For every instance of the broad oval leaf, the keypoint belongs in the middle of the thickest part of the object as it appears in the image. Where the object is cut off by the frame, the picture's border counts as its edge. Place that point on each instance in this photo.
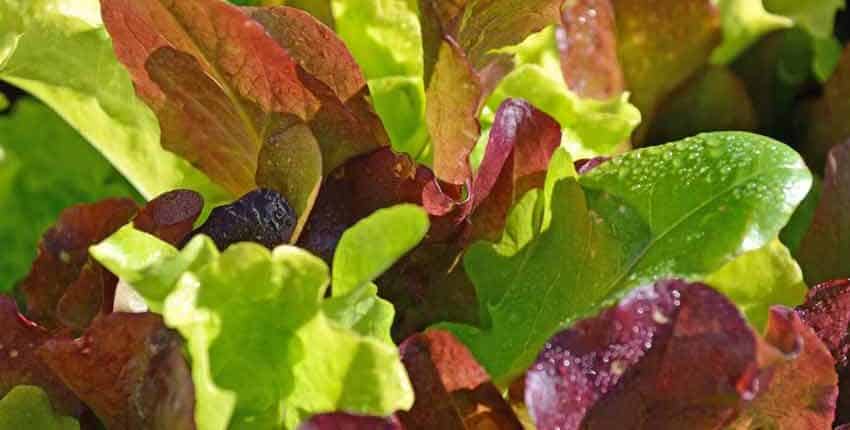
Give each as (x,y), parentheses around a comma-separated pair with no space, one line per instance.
(629,221)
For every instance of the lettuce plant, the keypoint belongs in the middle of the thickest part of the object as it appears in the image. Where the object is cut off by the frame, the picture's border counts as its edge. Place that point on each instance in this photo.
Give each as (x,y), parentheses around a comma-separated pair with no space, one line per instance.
(420,214)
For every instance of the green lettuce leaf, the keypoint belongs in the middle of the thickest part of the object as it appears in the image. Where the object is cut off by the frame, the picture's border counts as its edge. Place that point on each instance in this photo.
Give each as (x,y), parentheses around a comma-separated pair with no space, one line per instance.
(759,279)
(386,40)
(34,187)
(592,127)
(364,252)
(679,210)
(293,329)
(372,245)
(59,52)
(746,21)
(27,407)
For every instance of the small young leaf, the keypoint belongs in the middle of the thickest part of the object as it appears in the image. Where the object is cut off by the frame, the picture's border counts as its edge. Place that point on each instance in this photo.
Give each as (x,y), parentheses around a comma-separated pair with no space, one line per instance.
(371,246)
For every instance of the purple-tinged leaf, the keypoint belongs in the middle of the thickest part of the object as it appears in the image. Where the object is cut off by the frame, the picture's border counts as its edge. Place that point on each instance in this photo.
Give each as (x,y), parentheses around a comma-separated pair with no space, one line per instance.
(669,356)
(261,216)
(587,164)
(827,312)
(588,46)
(522,141)
(374,181)
(824,252)
(171,216)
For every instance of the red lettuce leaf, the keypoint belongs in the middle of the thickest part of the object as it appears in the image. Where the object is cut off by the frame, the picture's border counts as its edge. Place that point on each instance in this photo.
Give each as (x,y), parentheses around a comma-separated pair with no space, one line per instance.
(454,96)
(212,75)
(522,141)
(801,384)
(422,286)
(171,216)
(344,421)
(65,286)
(229,93)
(345,124)
(452,390)
(677,355)
(588,46)
(129,369)
(461,68)
(827,312)
(20,363)
(824,252)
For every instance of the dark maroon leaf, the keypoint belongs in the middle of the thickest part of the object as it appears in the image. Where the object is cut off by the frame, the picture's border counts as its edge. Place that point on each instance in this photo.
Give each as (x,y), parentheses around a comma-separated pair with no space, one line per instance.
(452,390)
(824,252)
(91,294)
(262,216)
(344,421)
(20,364)
(371,182)
(588,46)
(129,369)
(427,286)
(827,312)
(62,256)
(170,216)
(669,356)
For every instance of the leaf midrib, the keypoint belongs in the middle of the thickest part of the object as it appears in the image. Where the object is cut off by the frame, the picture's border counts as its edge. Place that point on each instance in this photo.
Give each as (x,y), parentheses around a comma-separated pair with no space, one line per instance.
(654,240)
(217,76)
